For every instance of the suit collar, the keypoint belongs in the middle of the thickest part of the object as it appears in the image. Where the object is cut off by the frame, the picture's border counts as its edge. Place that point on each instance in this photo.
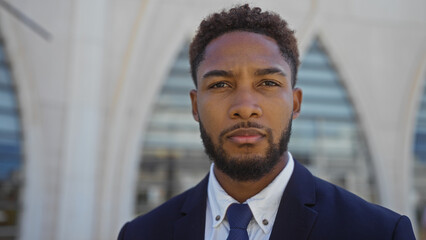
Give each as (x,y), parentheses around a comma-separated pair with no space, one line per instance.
(192,223)
(295,217)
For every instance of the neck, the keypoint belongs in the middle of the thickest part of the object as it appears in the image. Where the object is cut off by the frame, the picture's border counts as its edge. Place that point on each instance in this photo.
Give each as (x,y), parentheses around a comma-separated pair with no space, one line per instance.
(243,190)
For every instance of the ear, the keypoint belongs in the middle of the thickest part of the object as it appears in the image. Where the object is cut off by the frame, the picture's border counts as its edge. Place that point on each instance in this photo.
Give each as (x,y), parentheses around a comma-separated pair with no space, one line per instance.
(193,95)
(297,101)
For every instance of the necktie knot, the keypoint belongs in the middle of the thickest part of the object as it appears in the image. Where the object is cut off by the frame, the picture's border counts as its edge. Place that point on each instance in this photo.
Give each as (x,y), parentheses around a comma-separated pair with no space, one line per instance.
(239,216)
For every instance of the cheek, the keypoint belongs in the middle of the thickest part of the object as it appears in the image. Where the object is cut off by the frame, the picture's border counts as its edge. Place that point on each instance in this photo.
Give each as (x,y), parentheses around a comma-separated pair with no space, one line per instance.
(278,113)
(210,116)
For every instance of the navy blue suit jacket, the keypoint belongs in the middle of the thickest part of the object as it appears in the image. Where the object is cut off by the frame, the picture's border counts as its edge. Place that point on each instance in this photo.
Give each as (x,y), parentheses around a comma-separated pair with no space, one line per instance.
(310,208)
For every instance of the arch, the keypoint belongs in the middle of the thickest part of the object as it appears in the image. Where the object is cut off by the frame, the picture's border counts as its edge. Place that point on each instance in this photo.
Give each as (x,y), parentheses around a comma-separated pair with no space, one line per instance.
(383,92)
(329,125)
(173,157)
(345,67)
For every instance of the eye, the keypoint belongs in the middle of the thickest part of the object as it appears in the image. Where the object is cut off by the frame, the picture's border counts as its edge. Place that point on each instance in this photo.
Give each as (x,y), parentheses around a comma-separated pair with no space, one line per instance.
(269,83)
(219,85)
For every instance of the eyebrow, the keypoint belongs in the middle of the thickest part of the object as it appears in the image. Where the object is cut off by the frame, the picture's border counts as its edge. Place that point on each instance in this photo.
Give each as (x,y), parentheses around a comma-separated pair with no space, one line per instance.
(218,73)
(268,71)
(259,72)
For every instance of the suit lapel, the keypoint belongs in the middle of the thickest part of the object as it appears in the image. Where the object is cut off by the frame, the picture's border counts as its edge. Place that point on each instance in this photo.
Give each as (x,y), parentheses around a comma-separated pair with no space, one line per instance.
(295,217)
(192,223)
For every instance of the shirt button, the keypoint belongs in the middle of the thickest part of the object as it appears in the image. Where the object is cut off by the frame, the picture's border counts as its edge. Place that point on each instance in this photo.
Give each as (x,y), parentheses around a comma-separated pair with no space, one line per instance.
(265,222)
(217,218)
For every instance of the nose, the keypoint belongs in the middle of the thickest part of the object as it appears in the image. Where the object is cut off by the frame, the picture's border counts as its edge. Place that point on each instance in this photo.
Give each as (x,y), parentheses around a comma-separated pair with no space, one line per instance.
(245,105)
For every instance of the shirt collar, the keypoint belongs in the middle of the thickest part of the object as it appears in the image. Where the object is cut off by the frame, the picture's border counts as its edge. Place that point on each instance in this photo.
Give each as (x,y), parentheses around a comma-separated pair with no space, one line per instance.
(219,200)
(264,212)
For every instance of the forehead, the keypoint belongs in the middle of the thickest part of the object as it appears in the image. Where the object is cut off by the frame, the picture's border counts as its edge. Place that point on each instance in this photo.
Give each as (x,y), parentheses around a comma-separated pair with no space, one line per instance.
(236,49)
(241,39)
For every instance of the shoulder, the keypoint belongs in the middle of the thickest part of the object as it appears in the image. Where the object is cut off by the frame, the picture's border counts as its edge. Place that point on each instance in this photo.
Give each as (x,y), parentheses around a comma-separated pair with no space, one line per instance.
(355,216)
(329,195)
(148,225)
(160,222)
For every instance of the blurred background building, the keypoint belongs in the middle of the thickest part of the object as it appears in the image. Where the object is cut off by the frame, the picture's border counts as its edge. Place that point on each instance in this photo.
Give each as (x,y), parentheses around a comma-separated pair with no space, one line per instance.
(95,118)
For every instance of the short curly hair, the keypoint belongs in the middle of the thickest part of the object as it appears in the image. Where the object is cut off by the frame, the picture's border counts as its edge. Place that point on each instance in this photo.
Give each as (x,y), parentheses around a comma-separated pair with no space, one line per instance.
(244,18)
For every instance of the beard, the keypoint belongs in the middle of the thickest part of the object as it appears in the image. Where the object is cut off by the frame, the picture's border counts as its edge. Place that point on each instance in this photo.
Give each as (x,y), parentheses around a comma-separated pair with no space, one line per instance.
(246,168)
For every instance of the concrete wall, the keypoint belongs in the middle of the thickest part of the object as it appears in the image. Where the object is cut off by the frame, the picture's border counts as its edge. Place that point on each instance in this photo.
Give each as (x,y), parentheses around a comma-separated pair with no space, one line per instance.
(85,95)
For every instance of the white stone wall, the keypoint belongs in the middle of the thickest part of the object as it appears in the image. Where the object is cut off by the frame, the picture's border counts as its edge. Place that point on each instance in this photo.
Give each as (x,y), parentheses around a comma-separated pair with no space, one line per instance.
(85,95)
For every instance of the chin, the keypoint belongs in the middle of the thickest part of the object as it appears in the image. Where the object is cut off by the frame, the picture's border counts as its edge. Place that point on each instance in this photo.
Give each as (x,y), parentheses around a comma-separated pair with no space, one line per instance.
(247,157)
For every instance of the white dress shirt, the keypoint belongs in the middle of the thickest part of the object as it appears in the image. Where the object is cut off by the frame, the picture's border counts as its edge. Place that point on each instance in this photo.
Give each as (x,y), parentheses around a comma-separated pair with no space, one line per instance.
(263,205)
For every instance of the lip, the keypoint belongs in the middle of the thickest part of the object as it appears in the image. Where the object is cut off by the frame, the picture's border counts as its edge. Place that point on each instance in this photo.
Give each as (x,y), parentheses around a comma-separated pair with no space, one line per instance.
(245,136)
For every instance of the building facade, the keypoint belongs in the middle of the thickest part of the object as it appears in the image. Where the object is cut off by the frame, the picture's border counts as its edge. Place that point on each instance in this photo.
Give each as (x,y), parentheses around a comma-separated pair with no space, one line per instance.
(87,77)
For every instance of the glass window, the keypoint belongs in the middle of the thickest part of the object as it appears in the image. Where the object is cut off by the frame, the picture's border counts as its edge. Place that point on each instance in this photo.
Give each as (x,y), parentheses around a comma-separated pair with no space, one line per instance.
(420,165)
(10,151)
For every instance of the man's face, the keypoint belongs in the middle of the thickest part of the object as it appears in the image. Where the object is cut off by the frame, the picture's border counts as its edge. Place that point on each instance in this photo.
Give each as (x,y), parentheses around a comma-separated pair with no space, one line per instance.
(244,104)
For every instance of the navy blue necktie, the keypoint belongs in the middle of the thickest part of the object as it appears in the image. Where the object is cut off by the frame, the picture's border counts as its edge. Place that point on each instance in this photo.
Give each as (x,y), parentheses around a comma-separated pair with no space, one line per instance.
(239,216)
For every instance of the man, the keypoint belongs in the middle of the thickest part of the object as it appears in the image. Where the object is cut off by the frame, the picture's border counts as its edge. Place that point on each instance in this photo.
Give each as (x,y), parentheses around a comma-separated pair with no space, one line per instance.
(244,66)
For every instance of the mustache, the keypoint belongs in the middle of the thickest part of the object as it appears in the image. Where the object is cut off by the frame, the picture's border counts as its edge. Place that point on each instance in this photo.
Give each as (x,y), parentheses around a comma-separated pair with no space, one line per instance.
(241,125)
